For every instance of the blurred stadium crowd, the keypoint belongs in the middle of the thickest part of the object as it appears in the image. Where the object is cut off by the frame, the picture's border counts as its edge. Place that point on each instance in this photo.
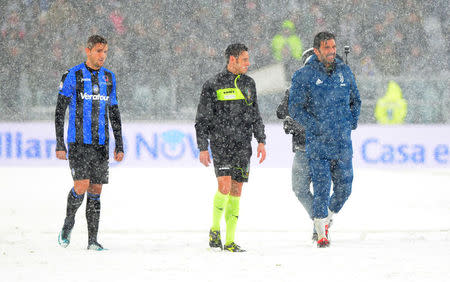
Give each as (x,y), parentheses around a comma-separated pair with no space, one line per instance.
(162,51)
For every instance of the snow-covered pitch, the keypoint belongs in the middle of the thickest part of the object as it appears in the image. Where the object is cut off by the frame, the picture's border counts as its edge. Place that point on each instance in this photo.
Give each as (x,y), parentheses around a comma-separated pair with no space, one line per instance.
(394,227)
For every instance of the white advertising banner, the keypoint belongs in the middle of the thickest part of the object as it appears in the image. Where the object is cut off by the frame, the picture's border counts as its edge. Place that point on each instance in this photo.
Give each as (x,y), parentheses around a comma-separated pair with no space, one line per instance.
(407,146)
(174,145)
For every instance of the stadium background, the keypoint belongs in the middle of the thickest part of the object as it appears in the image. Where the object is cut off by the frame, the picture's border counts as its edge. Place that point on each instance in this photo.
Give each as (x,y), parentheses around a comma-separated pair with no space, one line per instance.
(162,51)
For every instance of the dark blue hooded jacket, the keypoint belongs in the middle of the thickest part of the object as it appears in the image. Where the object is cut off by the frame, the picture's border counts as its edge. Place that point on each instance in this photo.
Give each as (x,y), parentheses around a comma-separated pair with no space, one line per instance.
(328,106)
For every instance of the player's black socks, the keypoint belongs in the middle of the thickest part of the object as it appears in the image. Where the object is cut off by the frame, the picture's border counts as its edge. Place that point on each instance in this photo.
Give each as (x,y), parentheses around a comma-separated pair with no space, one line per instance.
(74,201)
(93,216)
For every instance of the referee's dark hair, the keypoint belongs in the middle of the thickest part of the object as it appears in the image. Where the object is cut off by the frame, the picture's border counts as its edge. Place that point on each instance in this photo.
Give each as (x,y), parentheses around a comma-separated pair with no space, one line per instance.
(95,39)
(322,36)
(235,50)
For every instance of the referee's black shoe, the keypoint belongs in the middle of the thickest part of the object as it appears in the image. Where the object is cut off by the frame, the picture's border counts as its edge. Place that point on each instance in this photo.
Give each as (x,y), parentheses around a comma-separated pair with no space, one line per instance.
(214,240)
(232,247)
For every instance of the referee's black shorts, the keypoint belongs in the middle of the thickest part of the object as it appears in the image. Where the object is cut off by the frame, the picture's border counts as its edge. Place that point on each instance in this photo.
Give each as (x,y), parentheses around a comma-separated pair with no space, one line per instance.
(232,159)
(89,162)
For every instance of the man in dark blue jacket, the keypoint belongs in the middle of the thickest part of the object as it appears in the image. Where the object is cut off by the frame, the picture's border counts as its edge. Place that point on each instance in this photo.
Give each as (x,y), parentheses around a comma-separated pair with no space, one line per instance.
(325,100)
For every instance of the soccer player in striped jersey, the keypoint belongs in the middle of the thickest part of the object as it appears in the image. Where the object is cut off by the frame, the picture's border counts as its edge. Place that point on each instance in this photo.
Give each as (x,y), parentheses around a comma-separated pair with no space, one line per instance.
(89,90)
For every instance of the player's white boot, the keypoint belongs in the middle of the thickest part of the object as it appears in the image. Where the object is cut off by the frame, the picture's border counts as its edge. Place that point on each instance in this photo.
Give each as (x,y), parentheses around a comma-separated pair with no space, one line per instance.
(321,227)
(95,246)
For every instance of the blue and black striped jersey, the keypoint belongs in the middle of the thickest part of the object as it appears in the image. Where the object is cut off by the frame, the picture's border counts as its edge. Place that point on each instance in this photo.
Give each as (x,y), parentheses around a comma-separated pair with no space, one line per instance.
(90,95)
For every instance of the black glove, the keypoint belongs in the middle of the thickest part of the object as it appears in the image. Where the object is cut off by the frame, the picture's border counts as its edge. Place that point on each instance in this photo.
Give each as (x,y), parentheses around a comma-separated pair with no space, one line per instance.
(288,125)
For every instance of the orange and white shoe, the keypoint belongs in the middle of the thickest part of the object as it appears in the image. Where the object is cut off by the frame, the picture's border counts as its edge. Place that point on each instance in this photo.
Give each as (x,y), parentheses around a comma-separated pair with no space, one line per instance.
(323,243)
(321,226)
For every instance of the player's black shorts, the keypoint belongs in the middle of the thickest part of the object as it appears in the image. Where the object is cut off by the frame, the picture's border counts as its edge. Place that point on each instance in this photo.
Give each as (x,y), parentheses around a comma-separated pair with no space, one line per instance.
(232,159)
(89,162)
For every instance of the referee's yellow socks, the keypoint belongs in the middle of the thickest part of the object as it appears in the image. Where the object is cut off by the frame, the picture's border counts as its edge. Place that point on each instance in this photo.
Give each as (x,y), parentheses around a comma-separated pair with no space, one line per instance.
(231,217)
(220,202)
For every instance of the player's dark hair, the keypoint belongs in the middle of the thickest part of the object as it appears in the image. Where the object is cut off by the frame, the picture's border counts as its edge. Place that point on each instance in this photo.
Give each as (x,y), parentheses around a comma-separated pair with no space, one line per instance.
(95,39)
(322,36)
(235,50)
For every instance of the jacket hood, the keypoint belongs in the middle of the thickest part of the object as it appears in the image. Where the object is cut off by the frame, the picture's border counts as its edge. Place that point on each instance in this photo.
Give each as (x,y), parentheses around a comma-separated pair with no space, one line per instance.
(289,25)
(394,91)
